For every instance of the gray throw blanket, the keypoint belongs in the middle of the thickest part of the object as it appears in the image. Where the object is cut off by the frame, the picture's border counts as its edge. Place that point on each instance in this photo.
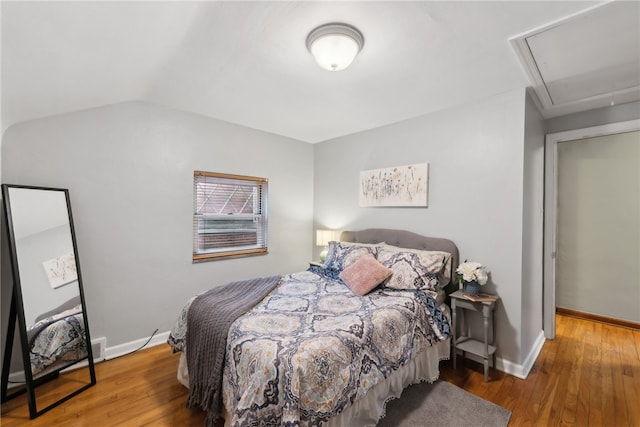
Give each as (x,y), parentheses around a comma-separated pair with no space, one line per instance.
(208,321)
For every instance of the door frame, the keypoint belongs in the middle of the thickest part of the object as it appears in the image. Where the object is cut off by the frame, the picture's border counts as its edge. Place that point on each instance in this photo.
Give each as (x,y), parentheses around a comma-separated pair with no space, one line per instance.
(551,202)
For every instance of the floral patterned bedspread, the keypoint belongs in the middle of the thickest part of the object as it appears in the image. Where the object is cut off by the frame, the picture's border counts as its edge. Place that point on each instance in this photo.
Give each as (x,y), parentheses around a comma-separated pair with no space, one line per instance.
(312,347)
(57,341)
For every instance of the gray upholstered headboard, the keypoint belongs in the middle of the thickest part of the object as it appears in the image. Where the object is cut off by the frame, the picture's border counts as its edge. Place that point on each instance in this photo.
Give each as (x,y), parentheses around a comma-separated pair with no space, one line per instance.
(406,239)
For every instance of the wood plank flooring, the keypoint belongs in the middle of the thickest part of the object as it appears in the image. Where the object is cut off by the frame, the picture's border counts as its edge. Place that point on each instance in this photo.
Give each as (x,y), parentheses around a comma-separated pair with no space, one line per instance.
(588,376)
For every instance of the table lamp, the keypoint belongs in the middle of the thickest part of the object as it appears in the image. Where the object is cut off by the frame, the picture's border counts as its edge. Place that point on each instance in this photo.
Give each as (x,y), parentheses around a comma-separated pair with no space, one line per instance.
(323,237)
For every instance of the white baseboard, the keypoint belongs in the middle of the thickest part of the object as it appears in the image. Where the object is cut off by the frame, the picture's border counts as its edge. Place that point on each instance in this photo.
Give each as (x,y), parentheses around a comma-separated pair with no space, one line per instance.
(131,346)
(517,370)
(530,360)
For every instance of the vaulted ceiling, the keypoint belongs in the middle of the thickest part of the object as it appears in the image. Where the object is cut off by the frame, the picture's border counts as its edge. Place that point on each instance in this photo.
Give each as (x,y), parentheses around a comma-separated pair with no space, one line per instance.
(247,63)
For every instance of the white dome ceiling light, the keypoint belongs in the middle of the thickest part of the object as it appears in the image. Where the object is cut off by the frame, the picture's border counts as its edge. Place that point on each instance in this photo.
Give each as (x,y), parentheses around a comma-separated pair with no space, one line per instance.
(335,45)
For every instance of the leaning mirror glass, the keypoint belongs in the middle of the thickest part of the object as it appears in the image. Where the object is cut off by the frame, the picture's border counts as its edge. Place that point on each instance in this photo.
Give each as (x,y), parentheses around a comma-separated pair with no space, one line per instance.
(48,296)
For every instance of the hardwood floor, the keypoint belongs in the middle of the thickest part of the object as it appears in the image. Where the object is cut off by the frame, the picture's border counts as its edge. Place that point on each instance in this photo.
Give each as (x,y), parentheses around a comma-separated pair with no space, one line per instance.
(588,376)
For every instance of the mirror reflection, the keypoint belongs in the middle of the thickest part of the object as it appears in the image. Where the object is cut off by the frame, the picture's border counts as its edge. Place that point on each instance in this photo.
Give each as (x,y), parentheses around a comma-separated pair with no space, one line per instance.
(48,287)
(48,278)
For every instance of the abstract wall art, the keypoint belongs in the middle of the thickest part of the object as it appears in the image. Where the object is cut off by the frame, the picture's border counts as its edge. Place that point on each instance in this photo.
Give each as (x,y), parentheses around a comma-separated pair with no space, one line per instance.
(395,186)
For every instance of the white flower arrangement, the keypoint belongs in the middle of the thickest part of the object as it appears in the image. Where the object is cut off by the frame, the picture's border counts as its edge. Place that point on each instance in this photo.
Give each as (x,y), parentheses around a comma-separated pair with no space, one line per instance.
(472,272)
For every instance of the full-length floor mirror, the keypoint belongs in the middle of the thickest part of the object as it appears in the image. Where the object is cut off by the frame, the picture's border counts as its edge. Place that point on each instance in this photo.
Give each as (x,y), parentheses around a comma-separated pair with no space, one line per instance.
(47,299)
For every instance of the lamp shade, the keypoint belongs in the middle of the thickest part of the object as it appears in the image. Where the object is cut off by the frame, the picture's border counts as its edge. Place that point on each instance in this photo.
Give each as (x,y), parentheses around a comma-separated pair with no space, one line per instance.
(335,46)
(323,237)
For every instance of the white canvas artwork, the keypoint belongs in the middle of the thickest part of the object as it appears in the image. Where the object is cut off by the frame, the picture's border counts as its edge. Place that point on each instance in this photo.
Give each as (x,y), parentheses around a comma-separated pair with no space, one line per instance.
(61,270)
(395,186)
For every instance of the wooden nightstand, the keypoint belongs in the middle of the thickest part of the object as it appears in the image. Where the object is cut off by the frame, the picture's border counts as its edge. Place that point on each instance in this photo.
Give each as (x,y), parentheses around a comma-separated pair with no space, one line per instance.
(316,263)
(483,348)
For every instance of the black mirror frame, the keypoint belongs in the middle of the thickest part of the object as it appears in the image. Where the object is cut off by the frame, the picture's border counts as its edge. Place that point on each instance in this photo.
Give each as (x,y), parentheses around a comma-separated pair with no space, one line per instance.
(17,312)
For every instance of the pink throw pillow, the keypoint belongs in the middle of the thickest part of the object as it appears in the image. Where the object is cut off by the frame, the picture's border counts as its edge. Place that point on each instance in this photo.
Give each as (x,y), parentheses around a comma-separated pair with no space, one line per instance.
(364,274)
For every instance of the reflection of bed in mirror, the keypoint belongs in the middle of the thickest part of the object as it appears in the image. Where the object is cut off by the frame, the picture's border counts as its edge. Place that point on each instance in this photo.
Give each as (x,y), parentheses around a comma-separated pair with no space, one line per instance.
(57,339)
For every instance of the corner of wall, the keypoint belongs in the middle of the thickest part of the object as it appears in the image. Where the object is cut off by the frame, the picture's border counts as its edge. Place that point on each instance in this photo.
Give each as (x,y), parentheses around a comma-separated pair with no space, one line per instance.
(532,227)
(522,370)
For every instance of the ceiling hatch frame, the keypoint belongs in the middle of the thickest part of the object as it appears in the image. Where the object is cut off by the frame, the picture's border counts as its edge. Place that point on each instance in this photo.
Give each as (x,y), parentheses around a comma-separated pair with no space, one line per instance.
(549,108)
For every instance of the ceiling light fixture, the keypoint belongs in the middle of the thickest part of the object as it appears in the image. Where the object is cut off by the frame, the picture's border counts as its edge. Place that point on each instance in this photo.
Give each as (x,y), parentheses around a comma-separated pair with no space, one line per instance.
(335,45)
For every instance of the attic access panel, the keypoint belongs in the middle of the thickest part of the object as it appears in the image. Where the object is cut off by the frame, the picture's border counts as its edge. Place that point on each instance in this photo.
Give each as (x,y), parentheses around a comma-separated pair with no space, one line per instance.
(592,56)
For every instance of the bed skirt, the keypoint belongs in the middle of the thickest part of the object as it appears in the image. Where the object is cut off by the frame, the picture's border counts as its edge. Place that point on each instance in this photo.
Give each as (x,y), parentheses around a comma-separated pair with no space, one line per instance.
(369,410)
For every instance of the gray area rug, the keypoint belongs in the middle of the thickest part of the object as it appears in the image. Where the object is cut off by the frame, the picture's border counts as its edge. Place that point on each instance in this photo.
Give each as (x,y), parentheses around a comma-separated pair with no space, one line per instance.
(442,404)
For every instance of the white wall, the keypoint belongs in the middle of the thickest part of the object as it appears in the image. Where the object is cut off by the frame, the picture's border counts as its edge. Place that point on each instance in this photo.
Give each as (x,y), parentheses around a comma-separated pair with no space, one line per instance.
(129,169)
(476,155)
(37,294)
(532,220)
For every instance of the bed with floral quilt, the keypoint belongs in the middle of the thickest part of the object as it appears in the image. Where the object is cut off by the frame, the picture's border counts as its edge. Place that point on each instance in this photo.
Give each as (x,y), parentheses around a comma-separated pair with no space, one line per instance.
(331,345)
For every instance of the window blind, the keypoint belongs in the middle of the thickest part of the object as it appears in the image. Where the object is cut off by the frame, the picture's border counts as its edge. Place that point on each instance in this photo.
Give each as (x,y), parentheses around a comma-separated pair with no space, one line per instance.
(230,215)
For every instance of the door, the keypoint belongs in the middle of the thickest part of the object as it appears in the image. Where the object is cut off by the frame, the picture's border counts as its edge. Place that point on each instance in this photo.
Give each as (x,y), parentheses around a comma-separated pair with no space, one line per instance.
(592,222)
(598,226)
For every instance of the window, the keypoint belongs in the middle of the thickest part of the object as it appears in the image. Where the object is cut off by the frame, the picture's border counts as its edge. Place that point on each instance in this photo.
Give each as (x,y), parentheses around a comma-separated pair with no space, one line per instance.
(229,215)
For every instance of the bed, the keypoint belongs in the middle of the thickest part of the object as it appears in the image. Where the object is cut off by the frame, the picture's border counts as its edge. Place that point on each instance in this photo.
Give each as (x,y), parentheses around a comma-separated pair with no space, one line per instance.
(319,350)
(57,339)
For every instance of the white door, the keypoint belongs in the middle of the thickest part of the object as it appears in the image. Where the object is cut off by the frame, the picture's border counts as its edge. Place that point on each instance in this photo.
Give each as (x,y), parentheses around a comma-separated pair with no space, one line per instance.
(592,222)
(598,226)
